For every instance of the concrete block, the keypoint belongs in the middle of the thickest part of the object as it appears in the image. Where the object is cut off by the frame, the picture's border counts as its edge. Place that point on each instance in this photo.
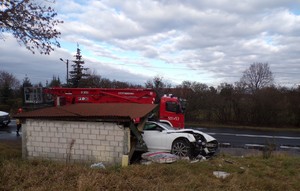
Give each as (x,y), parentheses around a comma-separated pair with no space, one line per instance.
(119,138)
(70,130)
(101,137)
(46,139)
(87,141)
(103,132)
(46,150)
(96,142)
(62,140)
(75,136)
(95,131)
(50,155)
(125,160)
(92,136)
(54,150)
(113,143)
(92,147)
(54,139)
(86,131)
(87,152)
(110,138)
(43,134)
(105,143)
(53,129)
(83,147)
(83,136)
(78,152)
(35,134)
(79,131)
(100,148)
(62,150)
(109,148)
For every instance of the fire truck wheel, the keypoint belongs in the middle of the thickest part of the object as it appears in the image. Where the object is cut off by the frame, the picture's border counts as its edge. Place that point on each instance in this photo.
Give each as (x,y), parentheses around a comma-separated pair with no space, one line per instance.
(181,148)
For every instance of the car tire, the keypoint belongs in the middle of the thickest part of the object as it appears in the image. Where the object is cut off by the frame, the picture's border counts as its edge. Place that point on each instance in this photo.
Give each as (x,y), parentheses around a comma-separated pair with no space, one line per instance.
(181,148)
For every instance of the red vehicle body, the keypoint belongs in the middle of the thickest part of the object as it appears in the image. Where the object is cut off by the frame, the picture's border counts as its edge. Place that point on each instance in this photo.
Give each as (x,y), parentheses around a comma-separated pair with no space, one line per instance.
(171,109)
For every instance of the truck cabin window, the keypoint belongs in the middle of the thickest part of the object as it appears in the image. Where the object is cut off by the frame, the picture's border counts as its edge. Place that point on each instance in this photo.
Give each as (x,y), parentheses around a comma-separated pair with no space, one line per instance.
(173,107)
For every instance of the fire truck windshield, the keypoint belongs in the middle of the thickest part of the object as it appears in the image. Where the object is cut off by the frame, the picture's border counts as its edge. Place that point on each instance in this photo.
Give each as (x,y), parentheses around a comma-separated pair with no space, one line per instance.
(182,104)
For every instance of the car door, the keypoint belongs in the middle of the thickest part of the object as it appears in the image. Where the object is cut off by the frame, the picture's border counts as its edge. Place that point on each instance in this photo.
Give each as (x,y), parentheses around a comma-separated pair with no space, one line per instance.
(154,135)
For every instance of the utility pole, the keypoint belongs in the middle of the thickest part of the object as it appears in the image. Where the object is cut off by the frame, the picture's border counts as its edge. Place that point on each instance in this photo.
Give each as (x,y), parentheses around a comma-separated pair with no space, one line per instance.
(67,63)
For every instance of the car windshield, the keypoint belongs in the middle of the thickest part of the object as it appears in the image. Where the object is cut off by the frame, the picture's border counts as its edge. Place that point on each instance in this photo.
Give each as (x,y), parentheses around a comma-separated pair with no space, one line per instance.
(166,126)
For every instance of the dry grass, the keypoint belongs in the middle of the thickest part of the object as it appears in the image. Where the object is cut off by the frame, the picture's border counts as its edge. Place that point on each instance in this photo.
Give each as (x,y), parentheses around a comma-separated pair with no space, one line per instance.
(278,172)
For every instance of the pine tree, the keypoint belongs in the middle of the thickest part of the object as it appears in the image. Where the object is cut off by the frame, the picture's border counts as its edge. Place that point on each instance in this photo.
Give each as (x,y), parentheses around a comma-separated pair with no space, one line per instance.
(55,82)
(77,75)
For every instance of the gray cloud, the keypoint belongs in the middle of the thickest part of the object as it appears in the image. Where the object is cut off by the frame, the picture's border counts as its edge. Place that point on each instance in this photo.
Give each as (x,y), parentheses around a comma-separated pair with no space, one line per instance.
(209,41)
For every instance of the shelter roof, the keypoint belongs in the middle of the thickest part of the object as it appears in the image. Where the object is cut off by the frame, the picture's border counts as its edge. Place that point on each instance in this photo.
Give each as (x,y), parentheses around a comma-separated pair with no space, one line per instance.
(92,110)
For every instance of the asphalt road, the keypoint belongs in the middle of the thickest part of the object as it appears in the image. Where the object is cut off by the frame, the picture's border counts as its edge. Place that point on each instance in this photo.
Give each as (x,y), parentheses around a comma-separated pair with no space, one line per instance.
(241,138)
(9,133)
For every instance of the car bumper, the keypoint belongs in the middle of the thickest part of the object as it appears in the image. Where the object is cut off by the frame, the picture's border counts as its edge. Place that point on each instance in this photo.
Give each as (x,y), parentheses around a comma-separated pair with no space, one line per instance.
(4,123)
(207,149)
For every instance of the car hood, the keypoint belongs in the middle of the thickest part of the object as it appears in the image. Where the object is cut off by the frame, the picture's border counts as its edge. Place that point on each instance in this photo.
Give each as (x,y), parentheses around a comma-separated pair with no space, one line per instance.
(207,137)
(2,113)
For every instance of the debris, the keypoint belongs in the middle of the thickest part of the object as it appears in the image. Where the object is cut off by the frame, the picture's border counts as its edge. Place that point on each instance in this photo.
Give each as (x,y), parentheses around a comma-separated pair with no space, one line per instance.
(194,161)
(185,158)
(160,157)
(98,165)
(146,162)
(201,158)
(228,161)
(221,174)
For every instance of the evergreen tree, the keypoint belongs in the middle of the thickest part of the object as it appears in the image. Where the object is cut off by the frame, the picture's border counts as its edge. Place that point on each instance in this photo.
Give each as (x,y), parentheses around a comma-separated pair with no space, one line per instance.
(55,82)
(78,74)
(26,82)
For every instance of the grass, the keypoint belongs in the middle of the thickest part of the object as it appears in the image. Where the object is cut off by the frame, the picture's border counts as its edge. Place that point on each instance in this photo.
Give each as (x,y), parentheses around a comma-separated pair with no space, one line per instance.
(279,172)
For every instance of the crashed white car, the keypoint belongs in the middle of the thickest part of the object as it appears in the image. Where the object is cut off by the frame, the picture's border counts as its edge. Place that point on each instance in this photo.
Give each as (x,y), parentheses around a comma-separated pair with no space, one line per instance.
(182,142)
(4,119)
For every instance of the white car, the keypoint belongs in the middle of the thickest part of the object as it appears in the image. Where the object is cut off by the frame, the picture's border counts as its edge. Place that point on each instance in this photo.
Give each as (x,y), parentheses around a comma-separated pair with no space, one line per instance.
(4,119)
(182,142)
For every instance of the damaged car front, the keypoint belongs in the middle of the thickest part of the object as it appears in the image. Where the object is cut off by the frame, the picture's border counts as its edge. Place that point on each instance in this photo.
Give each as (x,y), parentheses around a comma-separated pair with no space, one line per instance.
(183,143)
(204,144)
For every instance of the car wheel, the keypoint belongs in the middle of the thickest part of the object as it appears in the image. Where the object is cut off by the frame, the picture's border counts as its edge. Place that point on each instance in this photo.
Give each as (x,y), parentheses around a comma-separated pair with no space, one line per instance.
(181,148)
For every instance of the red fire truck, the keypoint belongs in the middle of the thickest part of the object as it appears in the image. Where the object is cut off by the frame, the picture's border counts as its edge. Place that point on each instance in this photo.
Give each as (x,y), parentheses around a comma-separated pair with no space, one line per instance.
(171,108)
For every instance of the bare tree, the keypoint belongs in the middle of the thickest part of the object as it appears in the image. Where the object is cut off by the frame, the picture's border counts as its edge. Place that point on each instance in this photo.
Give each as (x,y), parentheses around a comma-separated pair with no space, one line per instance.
(257,76)
(31,23)
(155,83)
(9,79)
(8,87)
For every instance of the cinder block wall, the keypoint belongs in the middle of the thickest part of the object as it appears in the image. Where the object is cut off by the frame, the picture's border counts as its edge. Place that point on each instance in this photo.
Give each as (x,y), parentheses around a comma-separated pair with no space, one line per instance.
(75,141)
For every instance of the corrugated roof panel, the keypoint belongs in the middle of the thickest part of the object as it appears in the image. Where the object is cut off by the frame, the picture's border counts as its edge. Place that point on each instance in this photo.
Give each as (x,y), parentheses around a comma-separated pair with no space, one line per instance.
(87,110)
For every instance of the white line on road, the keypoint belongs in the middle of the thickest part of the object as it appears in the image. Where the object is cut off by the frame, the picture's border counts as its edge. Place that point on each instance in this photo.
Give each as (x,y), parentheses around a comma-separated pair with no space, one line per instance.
(259,136)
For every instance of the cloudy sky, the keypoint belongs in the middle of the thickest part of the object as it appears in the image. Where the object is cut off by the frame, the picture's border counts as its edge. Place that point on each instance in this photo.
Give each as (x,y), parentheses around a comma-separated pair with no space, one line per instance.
(208,41)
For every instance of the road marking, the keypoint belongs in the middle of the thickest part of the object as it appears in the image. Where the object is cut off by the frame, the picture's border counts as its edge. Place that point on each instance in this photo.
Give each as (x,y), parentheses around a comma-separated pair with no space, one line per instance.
(289,147)
(255,136)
